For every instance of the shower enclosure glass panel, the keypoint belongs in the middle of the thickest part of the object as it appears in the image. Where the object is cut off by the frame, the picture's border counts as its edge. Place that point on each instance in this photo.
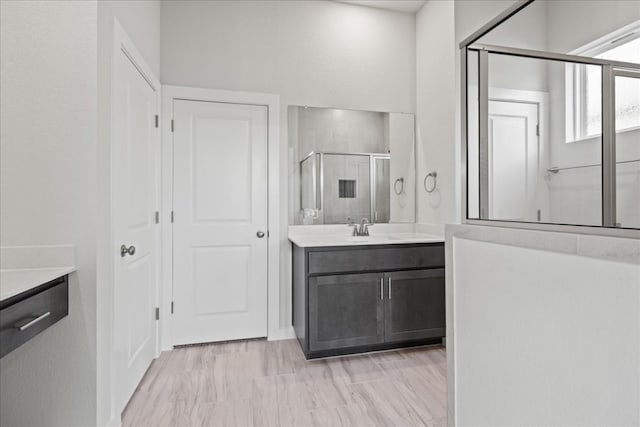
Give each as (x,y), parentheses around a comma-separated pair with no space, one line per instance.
(381,200)
(310,185)
(551,117)
(523,164)
(627,125)
(473,134)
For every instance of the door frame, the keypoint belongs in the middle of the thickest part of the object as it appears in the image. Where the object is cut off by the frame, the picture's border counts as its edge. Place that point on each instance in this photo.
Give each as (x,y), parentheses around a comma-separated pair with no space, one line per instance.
(272,102)
(123,43)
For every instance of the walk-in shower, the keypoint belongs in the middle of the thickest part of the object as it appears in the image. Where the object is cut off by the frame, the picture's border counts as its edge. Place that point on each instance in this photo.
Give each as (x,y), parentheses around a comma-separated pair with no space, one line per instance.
(551,116)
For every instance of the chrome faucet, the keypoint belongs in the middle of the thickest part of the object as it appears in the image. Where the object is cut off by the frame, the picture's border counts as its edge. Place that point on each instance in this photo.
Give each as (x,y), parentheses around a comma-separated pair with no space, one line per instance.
(362,230)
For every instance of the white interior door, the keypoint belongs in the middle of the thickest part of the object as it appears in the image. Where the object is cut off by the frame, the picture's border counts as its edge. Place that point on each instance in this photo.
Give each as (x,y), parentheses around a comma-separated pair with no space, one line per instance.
(136,144)
(514,159)
(220,198)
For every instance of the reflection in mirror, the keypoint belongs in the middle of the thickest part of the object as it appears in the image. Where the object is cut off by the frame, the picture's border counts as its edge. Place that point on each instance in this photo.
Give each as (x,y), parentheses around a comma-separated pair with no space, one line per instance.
(345,162)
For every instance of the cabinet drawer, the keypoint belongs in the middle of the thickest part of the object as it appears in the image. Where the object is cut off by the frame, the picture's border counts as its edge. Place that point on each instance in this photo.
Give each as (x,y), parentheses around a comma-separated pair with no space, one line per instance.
(24,319)
(376,259)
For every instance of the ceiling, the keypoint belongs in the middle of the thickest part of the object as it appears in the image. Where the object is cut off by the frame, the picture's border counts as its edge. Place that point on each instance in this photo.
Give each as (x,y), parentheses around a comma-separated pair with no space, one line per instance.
(405,6)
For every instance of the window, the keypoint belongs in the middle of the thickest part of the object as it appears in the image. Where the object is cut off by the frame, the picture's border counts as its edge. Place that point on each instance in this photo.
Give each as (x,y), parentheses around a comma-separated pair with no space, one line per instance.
(584,96)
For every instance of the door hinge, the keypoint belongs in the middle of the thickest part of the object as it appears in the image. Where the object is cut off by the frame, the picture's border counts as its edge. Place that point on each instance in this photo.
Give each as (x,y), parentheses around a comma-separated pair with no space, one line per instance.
(171,216)
(538,130)
(171,307)
(157,217)
(157,120)
(171,125)
(157,313)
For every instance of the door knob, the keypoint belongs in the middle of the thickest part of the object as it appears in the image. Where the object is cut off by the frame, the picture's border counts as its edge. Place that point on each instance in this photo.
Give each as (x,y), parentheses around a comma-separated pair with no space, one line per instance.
(260,234)
(124,250)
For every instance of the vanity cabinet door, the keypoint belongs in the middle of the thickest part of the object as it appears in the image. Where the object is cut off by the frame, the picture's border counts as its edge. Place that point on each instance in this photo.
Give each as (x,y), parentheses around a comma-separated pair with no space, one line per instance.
(345,311)
(414,305)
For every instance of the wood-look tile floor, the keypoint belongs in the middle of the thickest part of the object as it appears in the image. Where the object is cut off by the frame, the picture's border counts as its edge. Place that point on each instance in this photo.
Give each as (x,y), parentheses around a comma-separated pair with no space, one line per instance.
(260,383)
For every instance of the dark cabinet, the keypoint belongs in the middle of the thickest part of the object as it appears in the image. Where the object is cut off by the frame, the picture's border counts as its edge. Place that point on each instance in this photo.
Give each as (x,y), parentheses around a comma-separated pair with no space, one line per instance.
(345,311)
(24,316)
(354,299)
(415,305)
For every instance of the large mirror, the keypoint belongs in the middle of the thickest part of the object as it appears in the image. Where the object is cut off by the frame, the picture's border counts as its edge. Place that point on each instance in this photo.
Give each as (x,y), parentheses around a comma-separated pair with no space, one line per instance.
(350,165)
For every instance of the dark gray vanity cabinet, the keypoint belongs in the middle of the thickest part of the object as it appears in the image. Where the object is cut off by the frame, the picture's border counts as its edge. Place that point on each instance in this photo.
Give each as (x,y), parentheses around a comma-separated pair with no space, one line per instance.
(25,315)
(361,298)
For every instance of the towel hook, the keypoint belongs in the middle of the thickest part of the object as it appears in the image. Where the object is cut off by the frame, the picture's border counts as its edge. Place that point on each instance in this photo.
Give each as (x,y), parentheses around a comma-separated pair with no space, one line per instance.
(395,186)
(431,189)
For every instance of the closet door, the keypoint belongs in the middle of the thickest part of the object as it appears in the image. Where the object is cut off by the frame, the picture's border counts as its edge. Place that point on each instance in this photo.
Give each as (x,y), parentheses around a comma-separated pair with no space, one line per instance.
(220,195)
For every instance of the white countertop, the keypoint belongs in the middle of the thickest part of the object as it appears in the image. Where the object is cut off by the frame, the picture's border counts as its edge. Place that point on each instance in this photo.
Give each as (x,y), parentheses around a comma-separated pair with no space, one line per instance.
(23,268)
(17,281)
(380,234)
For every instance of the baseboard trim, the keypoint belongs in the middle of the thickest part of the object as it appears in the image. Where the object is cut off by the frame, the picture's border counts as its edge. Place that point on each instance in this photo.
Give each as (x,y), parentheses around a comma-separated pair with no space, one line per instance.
(113,422)
(282,334)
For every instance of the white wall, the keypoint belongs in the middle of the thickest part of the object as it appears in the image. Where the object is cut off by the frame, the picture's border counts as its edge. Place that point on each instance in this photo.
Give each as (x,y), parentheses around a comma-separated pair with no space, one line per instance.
(48,161)
(435,111)
(544,337)
(566,21)
(401,129)
(340,131)
(141,20)
(317,53)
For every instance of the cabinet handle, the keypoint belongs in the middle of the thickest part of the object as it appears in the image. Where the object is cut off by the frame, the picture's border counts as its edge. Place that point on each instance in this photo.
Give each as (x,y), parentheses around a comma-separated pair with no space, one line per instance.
(22,326)
(389,287)
(381,288)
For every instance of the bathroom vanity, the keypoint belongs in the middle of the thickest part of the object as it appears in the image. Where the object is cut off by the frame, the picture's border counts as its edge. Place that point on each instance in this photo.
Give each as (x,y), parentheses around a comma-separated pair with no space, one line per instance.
(28,313)
(353,295)
(35,291)
(355,291)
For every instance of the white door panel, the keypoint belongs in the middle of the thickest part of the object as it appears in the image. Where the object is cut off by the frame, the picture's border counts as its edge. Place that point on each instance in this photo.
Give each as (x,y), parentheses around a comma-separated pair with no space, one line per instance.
(513,160)
(220,203)
(135,149)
